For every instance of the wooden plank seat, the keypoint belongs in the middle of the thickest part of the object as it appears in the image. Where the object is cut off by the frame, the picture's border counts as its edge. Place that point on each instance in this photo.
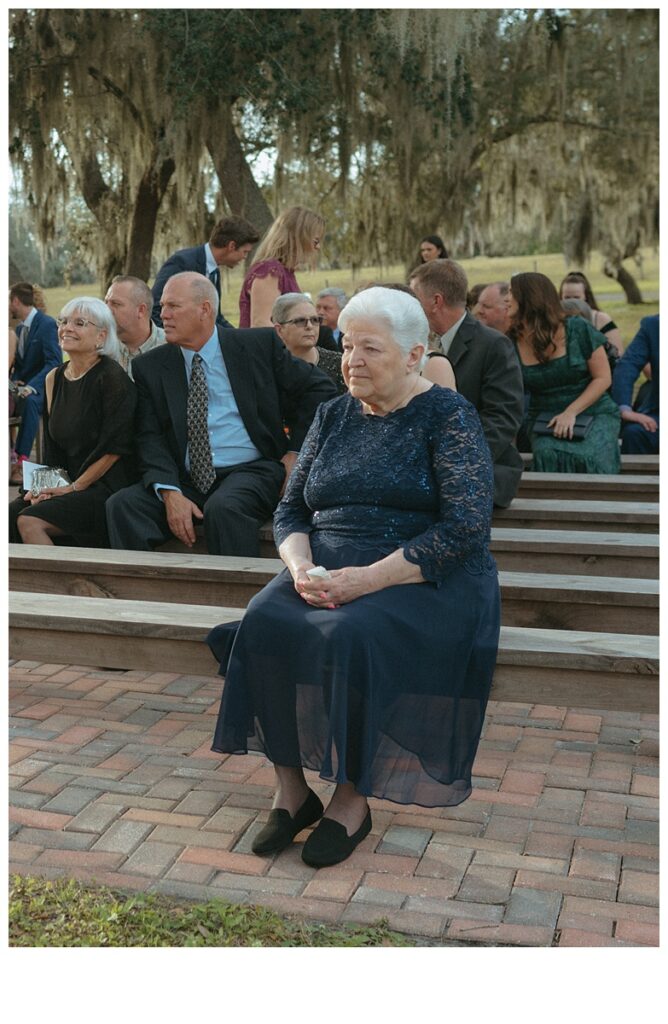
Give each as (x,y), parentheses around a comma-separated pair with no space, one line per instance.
(630,463)
(600,552)
(573,669)
(611,516)
(589,486)
(540,600)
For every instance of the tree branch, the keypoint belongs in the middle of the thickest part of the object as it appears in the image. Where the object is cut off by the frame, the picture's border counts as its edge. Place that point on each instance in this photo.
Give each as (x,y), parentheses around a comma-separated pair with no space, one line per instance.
(116,91)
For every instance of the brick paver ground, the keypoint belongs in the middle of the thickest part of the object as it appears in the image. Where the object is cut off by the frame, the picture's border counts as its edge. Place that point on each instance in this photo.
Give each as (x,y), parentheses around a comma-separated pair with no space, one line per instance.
(111,779)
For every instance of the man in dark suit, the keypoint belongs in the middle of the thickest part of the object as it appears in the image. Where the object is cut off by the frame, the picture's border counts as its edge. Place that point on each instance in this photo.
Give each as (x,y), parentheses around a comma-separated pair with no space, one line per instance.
(213,403)
(37,352)
(640,423)
(486,367)
(231,241)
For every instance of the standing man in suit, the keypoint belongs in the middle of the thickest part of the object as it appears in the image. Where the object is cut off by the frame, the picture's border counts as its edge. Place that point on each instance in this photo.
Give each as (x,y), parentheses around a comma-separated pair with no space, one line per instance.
(328,305)
(211,442)
(640,426)
(485,363)
(231,241)
(37,352)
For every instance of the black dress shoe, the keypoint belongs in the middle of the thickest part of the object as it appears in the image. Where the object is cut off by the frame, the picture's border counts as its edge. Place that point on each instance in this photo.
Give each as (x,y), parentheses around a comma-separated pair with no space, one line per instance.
(281,827)
(329,843)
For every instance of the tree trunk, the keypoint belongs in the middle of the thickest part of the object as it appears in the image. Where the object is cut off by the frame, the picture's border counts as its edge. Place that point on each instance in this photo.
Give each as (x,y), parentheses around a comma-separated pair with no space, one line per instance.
(626,280)
(147,202)
(241,191)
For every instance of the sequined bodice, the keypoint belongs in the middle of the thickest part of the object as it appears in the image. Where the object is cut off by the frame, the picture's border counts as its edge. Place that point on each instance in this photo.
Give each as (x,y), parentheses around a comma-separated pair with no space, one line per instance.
(418,478)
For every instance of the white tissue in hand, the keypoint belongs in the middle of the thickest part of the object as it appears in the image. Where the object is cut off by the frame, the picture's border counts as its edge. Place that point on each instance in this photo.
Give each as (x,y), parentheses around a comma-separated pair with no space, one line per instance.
(318,572)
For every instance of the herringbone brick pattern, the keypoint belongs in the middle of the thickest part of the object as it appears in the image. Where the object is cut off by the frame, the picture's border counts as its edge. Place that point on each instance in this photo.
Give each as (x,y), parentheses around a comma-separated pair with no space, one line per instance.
(112,779)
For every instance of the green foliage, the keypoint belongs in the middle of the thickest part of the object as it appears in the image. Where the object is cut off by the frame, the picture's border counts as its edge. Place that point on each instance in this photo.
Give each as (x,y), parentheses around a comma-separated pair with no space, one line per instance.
(68,913)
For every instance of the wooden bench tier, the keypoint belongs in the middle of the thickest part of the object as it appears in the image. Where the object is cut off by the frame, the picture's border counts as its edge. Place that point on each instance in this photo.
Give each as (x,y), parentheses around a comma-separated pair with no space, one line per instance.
(590,486)
(572,669)
(540,600)
(567,514)
(516,547)
(630,463)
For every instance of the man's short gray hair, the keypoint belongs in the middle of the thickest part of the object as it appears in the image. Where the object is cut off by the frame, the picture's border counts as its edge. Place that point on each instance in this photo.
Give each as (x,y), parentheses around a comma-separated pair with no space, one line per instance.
(400,312)
(97,311)
(284,304)
(139,290)
(202,289)
(337,293)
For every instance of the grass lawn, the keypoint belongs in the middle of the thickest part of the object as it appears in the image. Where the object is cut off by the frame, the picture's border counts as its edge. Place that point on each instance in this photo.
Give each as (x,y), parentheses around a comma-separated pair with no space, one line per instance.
(65,912)
(479,270)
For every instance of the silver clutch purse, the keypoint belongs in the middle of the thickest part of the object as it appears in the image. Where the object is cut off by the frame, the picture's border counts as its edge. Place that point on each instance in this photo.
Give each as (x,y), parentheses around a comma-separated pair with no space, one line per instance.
(48,477)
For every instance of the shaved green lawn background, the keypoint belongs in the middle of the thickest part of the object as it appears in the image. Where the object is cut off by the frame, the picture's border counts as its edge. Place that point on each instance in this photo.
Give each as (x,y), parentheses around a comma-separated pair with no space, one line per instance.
(479,270)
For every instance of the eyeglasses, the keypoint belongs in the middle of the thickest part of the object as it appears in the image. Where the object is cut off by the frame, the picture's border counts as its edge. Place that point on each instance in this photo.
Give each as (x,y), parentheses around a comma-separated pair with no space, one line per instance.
(78,321)
(302,321)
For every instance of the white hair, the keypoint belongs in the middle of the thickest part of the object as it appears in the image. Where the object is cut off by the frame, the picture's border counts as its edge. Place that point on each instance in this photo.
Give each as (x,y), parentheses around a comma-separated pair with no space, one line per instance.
(401,313)
(336,293)
(98,313)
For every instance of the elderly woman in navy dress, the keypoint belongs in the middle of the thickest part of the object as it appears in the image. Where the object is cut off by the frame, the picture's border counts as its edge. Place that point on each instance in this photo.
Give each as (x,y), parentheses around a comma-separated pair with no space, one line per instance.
(370,658)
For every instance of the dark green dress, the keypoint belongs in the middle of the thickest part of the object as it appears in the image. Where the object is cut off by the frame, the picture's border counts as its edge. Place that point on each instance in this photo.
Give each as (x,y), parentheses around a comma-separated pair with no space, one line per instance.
(554,385)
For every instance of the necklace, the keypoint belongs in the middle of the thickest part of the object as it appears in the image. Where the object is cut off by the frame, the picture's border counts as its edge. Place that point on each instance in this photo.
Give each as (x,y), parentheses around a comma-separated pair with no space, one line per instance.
(78,376)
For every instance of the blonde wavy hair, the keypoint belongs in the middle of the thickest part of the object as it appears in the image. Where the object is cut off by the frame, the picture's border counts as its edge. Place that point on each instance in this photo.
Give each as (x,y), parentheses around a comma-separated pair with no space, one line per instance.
(290,238)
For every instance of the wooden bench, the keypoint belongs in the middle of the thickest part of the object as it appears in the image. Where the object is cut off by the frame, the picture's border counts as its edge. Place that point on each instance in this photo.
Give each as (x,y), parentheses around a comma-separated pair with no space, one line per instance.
(573,669)
(539,600)
(611,516)
(589,487)
(630,463)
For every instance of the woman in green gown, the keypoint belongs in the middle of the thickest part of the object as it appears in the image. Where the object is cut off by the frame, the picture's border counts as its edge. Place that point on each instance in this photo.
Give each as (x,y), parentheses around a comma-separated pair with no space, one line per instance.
(566,372)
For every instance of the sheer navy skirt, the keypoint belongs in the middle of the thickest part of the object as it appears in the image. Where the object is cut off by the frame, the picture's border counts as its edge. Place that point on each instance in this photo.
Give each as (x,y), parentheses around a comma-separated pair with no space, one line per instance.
(388,692)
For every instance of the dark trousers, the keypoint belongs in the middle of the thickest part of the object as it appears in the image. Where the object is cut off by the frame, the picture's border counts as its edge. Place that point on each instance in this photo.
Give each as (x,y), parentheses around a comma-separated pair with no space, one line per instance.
(30,410)
(638,441)
(241,499)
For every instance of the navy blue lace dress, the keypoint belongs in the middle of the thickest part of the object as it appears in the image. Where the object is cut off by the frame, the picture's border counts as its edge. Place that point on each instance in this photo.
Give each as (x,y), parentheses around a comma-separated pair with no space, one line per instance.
(388,691)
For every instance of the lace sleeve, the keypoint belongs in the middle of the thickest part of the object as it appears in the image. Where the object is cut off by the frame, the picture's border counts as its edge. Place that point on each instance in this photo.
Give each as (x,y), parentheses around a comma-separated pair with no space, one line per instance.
(463,470)
(293,514)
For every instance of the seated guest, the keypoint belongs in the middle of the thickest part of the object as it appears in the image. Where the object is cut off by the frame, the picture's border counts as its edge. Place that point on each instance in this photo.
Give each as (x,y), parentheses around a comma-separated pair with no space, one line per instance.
(329,303)
(576,286)
(472,296)
(432,247)
(296,322)
(36,353)
(377,675)
(212,404)
(485,365)
(230,243)
(566,372)
(293,240)
(88,432)
(492,308)
(640,426)
(131,301)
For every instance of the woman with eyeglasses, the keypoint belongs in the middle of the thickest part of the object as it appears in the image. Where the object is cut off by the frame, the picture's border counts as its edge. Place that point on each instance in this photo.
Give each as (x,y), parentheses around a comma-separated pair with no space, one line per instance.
(88,432)
(293,240)
(297,324)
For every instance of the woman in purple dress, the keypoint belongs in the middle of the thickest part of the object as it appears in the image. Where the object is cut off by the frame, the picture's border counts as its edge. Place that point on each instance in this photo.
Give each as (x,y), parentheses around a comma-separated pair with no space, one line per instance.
(292,240)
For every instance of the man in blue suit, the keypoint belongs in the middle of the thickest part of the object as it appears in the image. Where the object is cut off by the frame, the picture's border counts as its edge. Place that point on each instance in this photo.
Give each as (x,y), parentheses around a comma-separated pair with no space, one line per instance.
(231,241)
(37,352)
(640,427)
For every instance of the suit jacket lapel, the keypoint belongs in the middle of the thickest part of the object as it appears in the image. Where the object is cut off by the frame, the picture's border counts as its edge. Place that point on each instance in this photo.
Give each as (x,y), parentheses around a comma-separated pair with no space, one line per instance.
(461,340)
(239,371)
(175,386)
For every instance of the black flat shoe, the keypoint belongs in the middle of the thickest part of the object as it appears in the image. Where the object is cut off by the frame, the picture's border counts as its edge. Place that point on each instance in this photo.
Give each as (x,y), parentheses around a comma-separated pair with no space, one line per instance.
(329,843)
(281,827)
